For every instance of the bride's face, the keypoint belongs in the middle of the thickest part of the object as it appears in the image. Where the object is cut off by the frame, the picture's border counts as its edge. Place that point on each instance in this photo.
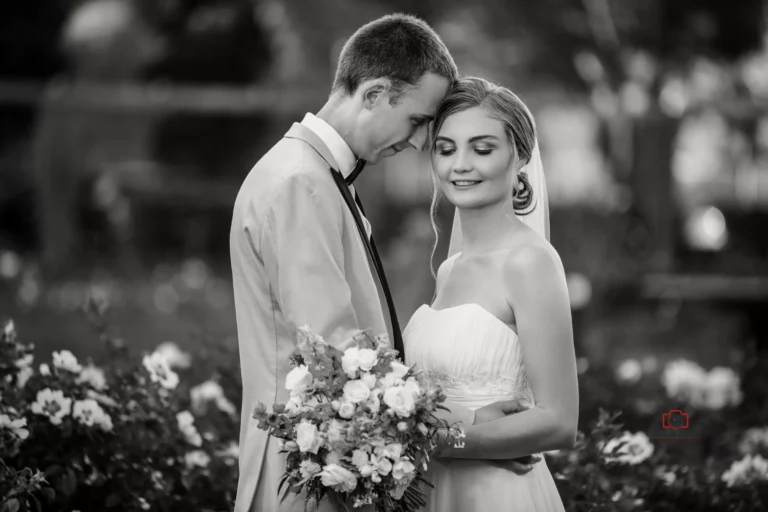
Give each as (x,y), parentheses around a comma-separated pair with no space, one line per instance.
(474,160)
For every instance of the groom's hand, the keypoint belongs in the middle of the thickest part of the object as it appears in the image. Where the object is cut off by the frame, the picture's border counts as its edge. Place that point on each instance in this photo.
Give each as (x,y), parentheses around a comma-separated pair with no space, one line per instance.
(520,465)
(497,410)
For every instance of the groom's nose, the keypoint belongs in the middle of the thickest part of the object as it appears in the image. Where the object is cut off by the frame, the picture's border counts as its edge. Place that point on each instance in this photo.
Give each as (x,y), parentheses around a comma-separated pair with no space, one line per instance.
(419,138)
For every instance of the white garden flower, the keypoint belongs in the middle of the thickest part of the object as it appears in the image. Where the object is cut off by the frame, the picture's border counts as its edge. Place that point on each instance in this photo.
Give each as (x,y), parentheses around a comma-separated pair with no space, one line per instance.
(749,469)
(174,356)
(367,359)
(308,438)
(346,409)
(369,380)
(356,391)
(15,426)
(298,380)
(94,377)
(89,413)
(630,371)
(400,400)
(25,370)
(684,380)
(9,331)
(52,404)
(360,459)
(45,370)
(722,388)
(753,440)
(159,371)
(412,385)
(402,468)
(231,451)
(211,391)
(197,458)
(628,448)
(338,477)
(390,380)
(399,370)
(713,390)
(66,360)
(309,468)
(349,362)
(186,424)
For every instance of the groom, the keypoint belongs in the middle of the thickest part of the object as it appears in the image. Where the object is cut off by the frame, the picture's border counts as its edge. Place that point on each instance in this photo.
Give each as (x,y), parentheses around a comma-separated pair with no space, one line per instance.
(297,248)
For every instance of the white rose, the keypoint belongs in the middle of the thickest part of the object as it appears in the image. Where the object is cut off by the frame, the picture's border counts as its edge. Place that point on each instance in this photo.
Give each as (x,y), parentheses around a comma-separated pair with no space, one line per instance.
(390,380)
(356,391)
(307,437)
(294,405)
(360,459)
(347,410)
(402,468)
(394,450)
(298,379)
(413,386)
(367,359)
(349,362)
(369,380)
(400,370)
(384,466)
(335,475)
(400,400)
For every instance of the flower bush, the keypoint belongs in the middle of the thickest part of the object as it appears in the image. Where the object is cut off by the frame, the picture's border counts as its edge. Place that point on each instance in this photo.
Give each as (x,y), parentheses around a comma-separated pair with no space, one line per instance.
(158,431)
(131,435)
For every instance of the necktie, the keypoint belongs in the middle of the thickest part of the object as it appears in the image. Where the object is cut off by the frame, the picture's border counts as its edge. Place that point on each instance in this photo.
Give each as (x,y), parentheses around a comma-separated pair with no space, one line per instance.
(370,247)
(359,166)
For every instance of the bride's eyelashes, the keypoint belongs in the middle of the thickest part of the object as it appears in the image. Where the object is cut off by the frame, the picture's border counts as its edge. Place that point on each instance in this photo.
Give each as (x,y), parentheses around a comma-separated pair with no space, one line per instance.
(450,151)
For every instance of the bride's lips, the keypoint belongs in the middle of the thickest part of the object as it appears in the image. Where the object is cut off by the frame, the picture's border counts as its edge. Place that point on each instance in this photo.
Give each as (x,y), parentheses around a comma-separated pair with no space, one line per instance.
(463,184)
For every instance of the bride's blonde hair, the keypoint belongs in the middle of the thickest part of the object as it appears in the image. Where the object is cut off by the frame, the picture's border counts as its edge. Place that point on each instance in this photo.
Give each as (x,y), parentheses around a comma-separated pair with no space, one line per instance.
(503,105)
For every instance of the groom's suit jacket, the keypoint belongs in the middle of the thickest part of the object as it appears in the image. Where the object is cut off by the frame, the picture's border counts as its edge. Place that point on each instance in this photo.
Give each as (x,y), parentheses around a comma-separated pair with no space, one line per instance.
(297,259)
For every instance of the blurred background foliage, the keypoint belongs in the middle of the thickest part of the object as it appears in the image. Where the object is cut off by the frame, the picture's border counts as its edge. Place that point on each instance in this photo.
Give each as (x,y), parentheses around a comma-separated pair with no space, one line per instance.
(128,125)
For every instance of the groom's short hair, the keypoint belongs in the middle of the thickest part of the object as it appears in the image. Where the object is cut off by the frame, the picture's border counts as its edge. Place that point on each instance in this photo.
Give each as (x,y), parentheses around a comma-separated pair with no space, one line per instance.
(400,47)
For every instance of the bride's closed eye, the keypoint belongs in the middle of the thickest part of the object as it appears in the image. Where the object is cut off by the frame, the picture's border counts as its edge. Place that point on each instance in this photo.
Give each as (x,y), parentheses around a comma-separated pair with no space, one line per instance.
(450,151)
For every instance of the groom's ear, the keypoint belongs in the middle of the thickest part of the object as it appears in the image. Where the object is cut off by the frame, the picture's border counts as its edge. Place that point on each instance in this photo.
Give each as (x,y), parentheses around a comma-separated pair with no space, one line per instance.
(375,92)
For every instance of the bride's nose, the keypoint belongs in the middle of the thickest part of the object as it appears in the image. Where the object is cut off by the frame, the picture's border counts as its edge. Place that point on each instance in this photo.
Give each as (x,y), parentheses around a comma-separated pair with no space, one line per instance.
(461,165)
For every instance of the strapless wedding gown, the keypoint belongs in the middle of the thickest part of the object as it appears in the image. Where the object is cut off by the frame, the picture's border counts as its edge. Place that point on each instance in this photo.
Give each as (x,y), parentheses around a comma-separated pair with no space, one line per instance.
(477,359)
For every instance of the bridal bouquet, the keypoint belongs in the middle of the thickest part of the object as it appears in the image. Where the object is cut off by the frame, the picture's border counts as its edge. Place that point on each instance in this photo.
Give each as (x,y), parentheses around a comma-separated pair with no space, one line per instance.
(358,424)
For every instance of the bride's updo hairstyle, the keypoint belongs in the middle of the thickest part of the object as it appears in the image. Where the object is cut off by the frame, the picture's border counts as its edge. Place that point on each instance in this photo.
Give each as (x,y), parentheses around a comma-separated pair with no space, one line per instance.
(503,105)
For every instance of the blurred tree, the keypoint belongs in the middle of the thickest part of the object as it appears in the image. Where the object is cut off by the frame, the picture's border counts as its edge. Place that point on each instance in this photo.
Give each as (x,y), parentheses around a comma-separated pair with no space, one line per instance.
(29,33)
(626,56)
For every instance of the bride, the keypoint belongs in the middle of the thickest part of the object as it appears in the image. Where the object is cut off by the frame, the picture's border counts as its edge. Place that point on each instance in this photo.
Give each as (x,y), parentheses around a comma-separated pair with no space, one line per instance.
(500,325)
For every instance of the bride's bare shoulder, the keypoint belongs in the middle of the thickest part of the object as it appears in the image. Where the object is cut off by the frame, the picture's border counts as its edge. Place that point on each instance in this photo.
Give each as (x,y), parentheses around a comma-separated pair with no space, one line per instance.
(535,259)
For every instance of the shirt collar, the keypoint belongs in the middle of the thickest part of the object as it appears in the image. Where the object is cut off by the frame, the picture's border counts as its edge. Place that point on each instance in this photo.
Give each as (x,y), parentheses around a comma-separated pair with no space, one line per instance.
(339,149)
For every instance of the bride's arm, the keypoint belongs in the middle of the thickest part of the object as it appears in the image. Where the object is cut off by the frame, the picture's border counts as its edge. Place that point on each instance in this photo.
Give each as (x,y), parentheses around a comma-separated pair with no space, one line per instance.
(539,297)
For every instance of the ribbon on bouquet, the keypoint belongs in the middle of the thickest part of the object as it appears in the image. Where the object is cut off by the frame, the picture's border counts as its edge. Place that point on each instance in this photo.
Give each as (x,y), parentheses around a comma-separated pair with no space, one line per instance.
(370,247)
